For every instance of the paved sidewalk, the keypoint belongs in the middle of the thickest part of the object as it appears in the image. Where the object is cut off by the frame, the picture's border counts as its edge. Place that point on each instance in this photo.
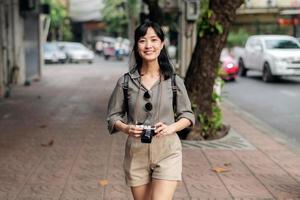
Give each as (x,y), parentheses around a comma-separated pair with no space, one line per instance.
(54,146)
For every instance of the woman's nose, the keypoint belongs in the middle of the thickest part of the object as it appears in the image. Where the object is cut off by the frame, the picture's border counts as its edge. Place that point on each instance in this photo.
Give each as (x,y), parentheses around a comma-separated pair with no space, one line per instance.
(148,44)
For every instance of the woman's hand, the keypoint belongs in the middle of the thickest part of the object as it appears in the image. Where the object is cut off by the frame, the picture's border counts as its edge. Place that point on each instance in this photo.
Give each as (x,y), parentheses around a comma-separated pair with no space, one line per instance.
(134,131)
(163,129)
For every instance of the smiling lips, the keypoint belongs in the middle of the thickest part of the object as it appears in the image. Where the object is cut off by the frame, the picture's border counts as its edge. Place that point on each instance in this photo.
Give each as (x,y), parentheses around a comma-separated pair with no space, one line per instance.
(148,52)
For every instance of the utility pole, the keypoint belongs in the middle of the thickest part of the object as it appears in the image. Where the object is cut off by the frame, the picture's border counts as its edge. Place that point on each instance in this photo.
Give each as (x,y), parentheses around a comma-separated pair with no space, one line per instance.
(189,10)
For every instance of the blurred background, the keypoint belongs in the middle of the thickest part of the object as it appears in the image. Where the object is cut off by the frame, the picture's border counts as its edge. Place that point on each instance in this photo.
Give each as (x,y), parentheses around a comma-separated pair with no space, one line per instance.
(38,33)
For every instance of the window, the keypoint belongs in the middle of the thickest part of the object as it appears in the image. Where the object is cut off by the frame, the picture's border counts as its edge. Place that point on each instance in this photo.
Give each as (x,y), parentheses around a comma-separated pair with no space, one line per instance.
(281,44)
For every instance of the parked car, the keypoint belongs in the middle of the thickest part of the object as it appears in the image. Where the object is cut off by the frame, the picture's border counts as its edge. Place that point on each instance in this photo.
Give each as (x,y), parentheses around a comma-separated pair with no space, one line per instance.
(76,52)
(52,54)
(229,67)
(172,49)
(126,46)
(108,50)
(101,42)
(112,47)
(273,55)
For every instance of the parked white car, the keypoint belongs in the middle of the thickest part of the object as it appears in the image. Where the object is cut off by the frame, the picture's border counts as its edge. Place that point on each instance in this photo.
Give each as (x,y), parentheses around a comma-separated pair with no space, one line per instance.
(76,52)
(273,55)
(52,54)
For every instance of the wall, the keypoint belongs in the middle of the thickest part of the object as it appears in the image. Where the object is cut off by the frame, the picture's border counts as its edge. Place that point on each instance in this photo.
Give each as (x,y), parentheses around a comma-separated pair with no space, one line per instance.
(187,40)
(31,42)
(6,42)
(16,30)
(272,3)
(18,45)
(2,89)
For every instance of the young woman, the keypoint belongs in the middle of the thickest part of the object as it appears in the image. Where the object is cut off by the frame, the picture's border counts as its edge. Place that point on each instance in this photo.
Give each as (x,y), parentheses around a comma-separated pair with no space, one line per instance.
(153,169)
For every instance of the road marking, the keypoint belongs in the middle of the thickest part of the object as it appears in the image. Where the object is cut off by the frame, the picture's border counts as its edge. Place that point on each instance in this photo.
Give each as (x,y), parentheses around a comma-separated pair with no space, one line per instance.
(288,93)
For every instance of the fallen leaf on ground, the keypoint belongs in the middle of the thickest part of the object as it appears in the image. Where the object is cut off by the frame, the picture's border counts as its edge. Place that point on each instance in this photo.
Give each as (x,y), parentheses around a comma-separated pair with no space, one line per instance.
(103,182)
(219,169)
(43,126)
(6,116)
(49,144)
(227,164)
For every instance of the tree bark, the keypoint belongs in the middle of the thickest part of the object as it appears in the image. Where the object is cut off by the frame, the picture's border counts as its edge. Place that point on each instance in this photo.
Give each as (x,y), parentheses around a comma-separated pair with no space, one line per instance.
(132,17)
(155,12)
(202,69)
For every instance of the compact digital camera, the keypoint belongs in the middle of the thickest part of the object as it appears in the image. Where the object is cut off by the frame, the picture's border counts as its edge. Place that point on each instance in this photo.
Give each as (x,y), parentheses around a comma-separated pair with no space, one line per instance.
(148,133)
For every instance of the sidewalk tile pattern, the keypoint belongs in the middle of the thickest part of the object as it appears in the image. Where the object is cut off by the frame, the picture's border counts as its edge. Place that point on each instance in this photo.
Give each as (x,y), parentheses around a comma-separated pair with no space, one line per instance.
(232,141)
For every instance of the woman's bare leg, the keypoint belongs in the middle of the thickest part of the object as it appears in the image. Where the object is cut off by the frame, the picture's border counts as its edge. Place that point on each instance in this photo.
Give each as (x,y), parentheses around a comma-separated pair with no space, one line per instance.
(163,189)
(142,192)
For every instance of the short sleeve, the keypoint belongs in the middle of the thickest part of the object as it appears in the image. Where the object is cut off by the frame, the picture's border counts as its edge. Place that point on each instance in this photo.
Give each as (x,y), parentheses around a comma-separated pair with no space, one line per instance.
(184,108)
(115,109)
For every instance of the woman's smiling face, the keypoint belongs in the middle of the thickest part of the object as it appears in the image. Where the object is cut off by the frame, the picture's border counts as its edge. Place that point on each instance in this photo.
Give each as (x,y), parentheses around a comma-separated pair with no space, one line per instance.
(150,45)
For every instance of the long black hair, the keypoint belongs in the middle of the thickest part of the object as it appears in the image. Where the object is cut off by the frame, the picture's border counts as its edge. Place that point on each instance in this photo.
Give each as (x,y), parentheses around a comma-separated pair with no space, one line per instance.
(163,58)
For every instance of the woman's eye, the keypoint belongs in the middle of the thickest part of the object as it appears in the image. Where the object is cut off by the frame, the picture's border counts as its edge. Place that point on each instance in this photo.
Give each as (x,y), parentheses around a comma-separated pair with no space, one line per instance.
(141,41)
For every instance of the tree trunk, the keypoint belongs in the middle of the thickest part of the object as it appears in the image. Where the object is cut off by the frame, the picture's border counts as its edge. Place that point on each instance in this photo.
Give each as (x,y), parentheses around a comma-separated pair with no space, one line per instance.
(205,58)
(132,17)
(155,12)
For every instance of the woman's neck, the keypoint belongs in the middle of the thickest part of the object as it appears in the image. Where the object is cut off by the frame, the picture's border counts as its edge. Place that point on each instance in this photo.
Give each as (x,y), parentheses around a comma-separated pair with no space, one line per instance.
(150,69)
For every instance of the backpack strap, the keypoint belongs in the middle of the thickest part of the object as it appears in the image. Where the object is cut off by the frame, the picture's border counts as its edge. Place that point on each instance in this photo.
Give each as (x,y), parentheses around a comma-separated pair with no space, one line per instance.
(125,92)
(174,90)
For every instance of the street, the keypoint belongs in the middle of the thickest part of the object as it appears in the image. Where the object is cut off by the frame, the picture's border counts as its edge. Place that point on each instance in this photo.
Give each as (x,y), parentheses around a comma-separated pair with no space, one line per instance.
(275,104)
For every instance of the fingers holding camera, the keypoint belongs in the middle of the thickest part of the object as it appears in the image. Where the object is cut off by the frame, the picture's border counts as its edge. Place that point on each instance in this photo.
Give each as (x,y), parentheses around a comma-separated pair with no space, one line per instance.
(159,128)
(134,131)
(163,129)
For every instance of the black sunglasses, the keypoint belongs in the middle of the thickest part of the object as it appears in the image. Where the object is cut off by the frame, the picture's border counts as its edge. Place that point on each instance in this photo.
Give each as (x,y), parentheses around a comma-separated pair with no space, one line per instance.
(148,106)
(147,95)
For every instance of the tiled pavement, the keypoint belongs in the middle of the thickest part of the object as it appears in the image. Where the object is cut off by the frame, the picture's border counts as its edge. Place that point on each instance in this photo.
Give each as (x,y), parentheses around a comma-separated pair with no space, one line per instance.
(54,146)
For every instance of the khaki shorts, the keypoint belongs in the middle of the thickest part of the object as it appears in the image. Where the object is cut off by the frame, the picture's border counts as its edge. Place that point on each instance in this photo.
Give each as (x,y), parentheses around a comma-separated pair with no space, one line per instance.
(161,159)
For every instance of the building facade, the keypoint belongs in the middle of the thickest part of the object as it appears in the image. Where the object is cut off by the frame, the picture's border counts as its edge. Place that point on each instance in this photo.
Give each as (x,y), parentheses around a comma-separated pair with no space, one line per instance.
(20,43)
(270,16)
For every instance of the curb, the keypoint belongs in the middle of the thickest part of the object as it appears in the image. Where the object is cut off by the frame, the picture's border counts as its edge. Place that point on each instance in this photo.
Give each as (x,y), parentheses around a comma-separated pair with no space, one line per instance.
(263,127)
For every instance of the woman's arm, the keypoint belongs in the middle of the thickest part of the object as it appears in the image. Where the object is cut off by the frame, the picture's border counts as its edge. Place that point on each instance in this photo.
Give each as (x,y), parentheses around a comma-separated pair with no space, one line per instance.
(184,108)
(121,126)
(181,124)
(163,129)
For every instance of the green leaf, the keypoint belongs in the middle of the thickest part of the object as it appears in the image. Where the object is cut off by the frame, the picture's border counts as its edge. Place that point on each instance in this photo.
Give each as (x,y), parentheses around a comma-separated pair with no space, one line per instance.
(219,27)
(209,13)
(201,34)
